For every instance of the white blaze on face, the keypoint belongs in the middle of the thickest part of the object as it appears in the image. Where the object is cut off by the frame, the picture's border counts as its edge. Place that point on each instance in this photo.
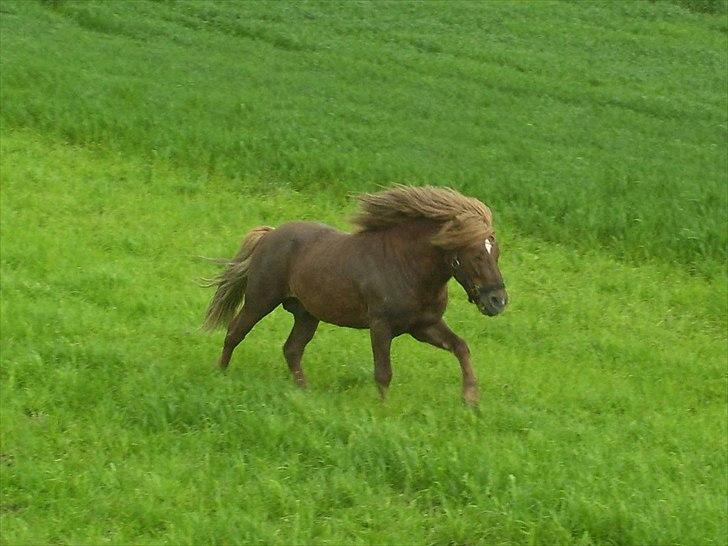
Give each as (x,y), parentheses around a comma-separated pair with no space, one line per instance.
(488,246)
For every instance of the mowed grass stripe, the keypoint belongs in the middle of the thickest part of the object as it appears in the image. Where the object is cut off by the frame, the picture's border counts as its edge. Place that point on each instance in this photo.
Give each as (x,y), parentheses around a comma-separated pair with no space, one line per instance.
(602,421)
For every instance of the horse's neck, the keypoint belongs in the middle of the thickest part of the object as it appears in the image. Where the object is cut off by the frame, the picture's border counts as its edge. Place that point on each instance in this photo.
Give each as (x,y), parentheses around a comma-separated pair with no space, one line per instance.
(419,257)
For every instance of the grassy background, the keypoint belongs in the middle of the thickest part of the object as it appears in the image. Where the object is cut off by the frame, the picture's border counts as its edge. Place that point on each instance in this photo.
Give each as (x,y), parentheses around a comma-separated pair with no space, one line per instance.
(602,123)
(136,136)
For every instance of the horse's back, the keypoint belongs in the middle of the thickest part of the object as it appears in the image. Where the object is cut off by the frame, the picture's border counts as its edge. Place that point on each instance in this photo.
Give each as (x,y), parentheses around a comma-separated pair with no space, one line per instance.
(288,241)
(301,232)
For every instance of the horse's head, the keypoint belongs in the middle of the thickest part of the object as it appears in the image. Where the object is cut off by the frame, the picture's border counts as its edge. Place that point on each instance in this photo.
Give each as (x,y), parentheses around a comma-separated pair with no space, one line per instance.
(476,269)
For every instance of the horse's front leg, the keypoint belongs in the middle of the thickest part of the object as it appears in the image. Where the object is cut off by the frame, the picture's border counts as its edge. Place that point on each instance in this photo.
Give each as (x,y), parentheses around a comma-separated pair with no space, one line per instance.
(441,336)
(381,337)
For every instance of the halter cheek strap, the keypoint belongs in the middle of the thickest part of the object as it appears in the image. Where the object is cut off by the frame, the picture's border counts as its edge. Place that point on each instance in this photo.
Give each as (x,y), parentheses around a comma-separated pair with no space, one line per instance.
(470,288)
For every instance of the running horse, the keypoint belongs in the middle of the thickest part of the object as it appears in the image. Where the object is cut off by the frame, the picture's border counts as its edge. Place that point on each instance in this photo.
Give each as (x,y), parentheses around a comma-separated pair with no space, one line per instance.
(389,276)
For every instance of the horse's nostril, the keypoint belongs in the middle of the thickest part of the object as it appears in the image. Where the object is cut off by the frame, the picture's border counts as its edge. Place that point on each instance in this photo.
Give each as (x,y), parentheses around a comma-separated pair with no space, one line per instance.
(496,301)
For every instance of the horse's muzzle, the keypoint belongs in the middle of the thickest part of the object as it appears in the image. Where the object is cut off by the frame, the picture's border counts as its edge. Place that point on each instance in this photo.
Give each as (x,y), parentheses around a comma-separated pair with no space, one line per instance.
(492,301)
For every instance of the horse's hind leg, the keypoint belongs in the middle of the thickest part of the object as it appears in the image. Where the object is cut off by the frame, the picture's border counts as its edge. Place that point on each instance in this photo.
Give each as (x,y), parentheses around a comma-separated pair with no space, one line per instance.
(239,327)
(304,327)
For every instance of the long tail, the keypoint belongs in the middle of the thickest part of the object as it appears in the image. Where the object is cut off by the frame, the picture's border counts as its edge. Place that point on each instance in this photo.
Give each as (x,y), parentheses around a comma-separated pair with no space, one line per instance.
(232,281)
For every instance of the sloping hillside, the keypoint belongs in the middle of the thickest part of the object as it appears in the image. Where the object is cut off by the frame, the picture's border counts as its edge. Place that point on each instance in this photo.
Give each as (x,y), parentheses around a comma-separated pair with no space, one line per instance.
(137,136)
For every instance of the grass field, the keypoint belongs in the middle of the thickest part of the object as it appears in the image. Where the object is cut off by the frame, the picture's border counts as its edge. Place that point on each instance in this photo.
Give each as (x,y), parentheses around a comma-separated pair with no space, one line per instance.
(137,136)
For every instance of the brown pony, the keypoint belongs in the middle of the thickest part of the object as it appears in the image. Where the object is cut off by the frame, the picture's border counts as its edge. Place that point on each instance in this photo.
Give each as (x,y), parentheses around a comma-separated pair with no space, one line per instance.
(390,276)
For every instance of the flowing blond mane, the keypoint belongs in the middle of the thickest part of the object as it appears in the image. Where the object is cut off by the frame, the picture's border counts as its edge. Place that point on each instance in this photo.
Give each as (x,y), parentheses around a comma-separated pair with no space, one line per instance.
(465,221)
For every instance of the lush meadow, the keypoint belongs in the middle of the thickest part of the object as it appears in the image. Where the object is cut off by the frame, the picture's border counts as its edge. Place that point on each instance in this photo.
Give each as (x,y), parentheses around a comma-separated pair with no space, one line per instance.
(138,136)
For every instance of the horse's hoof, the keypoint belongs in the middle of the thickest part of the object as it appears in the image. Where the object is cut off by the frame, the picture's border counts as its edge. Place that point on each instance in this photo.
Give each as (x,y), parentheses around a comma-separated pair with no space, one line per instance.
(382,393)
(300,380)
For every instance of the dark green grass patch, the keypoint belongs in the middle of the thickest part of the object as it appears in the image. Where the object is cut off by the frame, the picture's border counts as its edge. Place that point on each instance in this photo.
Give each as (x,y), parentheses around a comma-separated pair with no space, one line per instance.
(584,123)
(602,420)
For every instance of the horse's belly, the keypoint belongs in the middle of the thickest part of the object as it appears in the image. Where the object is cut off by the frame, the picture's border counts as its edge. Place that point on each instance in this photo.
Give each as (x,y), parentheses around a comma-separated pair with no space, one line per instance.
(335,308)
(332,300)
(323,278)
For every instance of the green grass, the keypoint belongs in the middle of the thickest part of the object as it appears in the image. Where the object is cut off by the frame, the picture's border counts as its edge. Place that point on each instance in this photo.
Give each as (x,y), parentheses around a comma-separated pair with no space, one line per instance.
(137,136)
(599,123)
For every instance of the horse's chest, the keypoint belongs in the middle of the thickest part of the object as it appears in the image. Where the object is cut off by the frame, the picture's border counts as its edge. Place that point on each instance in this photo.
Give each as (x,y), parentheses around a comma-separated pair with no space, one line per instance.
(404,313)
